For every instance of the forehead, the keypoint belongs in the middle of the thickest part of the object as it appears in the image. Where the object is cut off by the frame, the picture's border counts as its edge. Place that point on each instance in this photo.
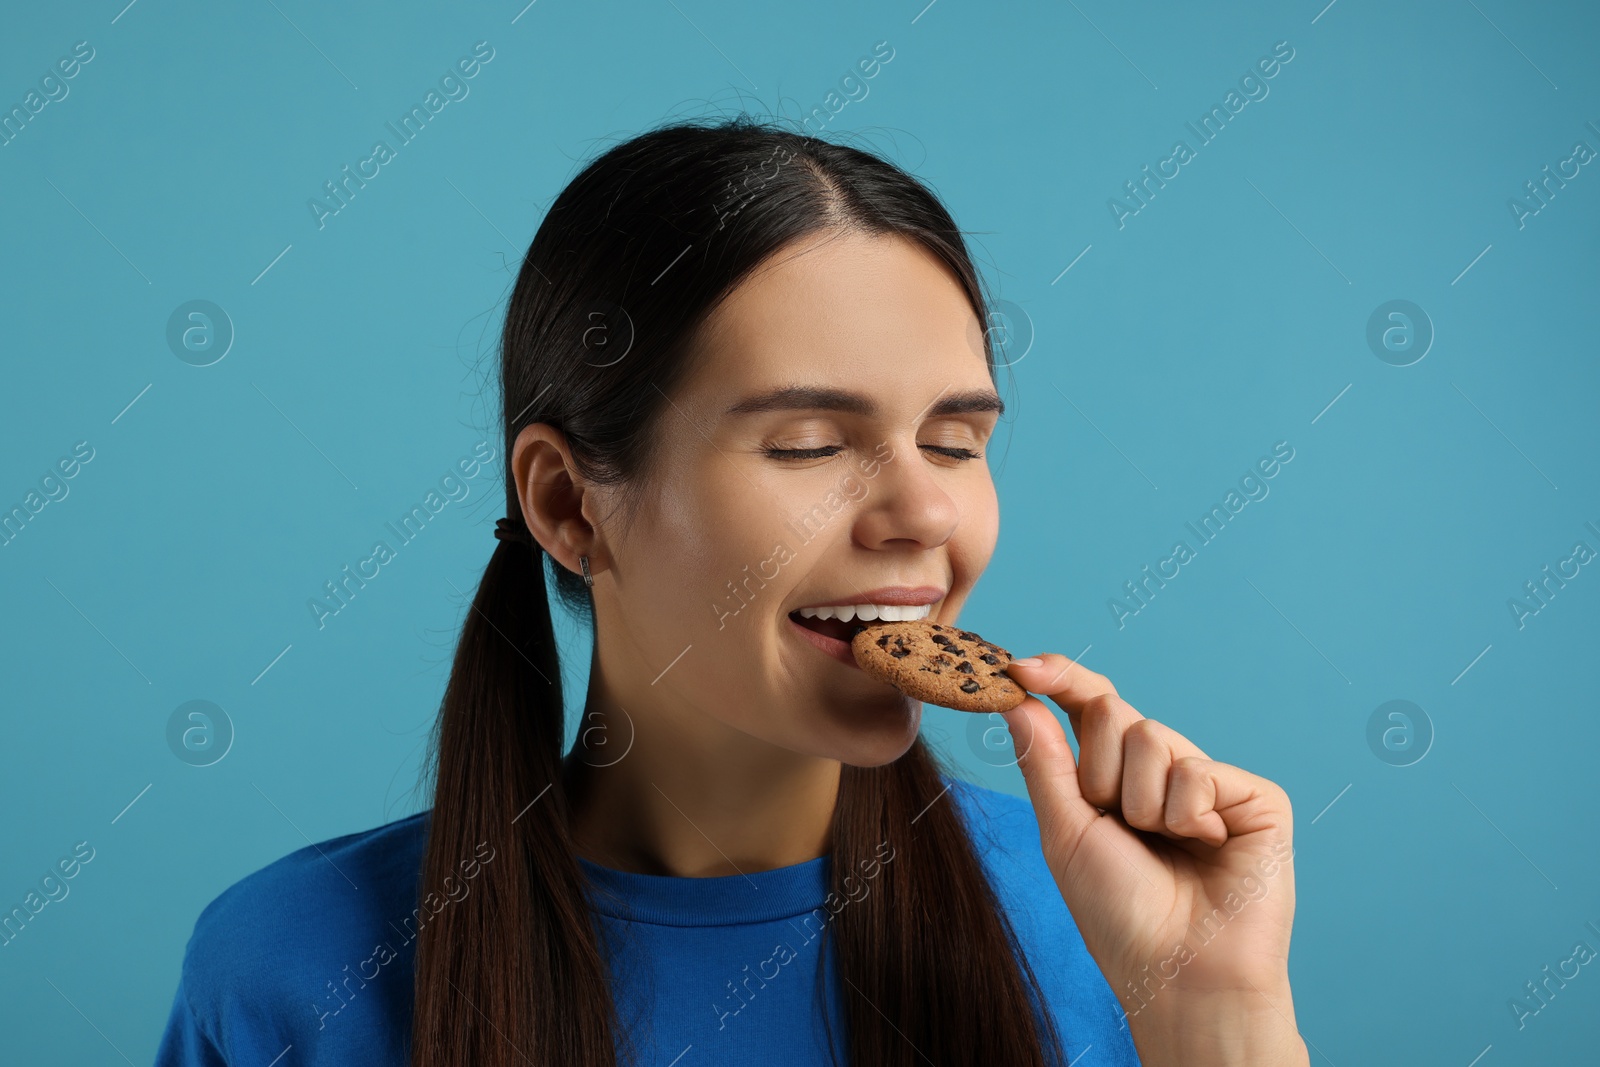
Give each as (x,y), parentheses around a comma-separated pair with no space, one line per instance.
(878,313)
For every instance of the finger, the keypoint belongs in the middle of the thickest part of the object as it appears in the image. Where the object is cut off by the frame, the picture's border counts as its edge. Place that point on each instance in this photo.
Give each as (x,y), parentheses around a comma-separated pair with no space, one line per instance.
(1048,770)
(1103,723)
(1212,802)
(1097,715)
(1149,751)
(1069,683)
(1102,726)
(1191,802)
(1123,754)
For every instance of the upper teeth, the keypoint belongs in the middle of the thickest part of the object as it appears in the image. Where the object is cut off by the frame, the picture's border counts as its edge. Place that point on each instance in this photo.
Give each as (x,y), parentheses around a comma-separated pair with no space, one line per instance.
(869,612)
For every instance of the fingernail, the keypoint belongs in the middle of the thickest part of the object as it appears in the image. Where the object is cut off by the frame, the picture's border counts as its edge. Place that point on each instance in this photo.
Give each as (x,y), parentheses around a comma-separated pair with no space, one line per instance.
(1031,661)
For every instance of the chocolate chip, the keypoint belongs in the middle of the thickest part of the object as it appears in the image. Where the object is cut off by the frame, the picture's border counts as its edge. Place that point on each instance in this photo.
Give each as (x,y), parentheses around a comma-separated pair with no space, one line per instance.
(899,653)
(940,639)
(956,650)
(990,659)
(936,626)
(965,668)
(971,685)
(965,636)
(883,642)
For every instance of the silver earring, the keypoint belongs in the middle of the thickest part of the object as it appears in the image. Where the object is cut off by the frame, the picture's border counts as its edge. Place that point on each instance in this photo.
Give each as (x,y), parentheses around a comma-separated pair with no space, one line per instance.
(588,579)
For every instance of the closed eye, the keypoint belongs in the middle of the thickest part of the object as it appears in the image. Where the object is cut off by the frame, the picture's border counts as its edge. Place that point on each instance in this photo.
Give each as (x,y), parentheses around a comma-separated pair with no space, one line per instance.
(832,450)
(953,452)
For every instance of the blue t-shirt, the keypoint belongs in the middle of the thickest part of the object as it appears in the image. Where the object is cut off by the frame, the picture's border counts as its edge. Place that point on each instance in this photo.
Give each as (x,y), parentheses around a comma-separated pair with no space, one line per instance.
(309,960)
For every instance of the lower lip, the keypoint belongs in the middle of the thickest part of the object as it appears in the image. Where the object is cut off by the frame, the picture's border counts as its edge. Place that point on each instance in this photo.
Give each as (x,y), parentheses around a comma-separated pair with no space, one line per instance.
(839,650)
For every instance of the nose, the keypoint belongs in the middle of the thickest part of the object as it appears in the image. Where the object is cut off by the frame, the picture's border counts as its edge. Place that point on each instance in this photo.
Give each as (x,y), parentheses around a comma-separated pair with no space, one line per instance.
(906,504)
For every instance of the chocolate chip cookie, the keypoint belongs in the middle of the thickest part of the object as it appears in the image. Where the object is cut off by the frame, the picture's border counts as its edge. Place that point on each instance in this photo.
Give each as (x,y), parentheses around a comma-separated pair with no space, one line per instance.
(940,664)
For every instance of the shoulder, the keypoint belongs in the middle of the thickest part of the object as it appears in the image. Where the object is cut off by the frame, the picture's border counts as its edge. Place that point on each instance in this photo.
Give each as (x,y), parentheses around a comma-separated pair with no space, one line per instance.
(998,822)
(312,895)
(287,949)
(1005,835)
(991,801)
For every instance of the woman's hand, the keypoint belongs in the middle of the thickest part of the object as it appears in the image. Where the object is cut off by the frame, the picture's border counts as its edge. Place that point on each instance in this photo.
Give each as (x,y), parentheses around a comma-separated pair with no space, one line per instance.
(1177,870)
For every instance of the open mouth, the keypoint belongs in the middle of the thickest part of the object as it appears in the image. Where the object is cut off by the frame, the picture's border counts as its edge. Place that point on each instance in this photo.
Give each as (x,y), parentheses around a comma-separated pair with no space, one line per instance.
(837,629)
(830,628)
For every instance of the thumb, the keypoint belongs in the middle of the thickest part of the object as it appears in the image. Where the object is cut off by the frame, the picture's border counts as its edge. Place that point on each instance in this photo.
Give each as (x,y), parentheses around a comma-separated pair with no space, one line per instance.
(1049,769)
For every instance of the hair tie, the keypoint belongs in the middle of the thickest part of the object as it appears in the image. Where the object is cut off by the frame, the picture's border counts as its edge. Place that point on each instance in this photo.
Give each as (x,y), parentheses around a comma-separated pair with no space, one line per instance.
(517,532)
(511,530)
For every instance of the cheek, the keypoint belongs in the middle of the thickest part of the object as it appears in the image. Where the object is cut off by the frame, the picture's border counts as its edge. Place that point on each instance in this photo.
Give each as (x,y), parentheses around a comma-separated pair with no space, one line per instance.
(701,590)
(972,546)
(712,525)
(703,557)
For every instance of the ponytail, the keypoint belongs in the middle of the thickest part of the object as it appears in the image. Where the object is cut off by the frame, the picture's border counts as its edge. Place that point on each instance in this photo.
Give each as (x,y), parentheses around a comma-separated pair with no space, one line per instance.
(511,973)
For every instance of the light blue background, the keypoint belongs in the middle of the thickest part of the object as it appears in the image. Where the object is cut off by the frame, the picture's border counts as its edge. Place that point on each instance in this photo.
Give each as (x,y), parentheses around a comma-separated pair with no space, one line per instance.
(1224,317)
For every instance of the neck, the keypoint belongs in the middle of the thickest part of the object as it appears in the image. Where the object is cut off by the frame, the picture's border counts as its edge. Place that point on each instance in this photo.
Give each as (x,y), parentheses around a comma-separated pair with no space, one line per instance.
(671,806)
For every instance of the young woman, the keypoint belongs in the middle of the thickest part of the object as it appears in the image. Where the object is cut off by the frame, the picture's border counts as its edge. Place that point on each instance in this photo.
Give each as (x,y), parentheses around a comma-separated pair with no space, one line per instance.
(744,374)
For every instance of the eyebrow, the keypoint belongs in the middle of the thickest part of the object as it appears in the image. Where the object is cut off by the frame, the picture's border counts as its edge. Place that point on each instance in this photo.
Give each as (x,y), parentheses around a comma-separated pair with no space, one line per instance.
(824,398)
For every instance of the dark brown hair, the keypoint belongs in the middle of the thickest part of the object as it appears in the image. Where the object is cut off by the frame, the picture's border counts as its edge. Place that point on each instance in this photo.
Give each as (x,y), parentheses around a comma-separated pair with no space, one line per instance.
(642,245)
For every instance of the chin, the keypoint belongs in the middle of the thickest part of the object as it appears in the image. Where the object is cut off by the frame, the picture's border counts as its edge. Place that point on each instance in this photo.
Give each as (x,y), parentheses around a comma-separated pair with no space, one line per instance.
(884,741)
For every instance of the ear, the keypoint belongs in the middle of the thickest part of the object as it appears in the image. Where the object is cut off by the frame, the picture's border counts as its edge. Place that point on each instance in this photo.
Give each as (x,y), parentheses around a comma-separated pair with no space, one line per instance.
(556,500)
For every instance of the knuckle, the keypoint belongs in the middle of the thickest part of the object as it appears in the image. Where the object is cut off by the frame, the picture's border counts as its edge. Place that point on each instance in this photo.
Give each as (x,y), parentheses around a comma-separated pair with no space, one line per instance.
(1147,732)
(1184,822)
(1100,785)
(1099,707)
(1143,812)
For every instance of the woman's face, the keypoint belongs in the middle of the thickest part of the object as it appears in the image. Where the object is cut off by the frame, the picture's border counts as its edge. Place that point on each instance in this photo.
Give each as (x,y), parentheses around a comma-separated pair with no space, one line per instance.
(888,393)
